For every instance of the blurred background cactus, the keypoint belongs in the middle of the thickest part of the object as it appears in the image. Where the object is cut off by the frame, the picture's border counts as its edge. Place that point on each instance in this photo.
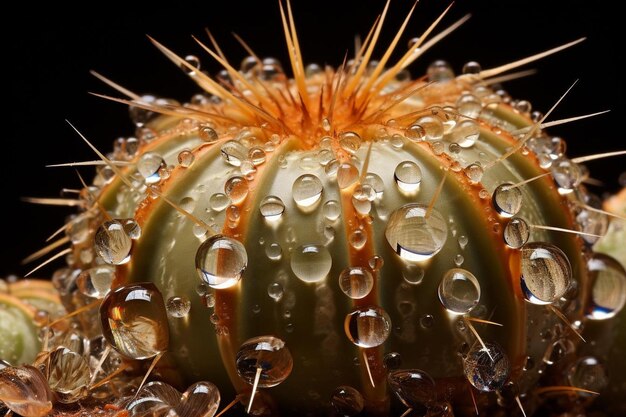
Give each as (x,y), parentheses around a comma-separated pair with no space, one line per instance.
(488,369)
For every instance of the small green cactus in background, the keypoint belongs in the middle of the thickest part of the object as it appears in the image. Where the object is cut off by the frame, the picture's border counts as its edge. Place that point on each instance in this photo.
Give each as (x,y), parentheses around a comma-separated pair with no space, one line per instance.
(348,241)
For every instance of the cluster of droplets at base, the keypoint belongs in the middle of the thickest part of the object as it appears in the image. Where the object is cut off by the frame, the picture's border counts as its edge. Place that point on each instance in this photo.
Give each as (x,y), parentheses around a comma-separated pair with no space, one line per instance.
(79,362)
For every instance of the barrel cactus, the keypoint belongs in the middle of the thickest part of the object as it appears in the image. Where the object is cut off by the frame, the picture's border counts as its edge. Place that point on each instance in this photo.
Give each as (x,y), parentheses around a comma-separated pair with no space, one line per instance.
(349,241)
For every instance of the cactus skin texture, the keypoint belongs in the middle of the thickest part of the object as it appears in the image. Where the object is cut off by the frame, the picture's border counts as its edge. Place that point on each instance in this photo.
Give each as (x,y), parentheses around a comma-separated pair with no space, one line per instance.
(362,218)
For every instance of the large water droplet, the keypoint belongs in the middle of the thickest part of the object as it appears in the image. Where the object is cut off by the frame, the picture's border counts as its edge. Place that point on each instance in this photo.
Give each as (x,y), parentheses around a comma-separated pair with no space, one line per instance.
(220,261)
(236,188)
(414,387)
(440,71)
(546,273)
(588,373)
(267,353)
(272,208)
(567,175)
(96,282)
(350,142)
(414,236)
(459,291)
(465,133)
(487,370)
(347,174)
(507,201)
(516,233)
(608,293)
(356,282)
(25,391)
(367,326)
(347,401)
(149,165)
(134,320)
(311,263)
(112,243)
(307,190)
(234,152)
(392,361)
(408,176)
(68,374)
(433,127)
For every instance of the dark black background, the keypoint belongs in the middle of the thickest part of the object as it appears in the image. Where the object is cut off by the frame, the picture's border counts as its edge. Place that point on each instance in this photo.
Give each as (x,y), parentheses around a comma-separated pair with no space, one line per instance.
(49,51)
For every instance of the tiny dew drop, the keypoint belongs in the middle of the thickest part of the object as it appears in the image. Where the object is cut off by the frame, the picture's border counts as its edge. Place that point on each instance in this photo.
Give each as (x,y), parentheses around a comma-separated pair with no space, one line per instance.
(219,201)
(178,307)
(332,210)
(234,152)
(149,165)
(185,158)
(413,235)
(392,360)
(433,127)
(367,326)
(307,190)
(350,142)
(472,67)
(357,239)
(236,188)
(273,251)
(474,172)
(466,133)
(408,176)
(347,401)
(546,273)
(507,200)
(207,133)
(267,355)
(96,282)
(608,293)
(347,174)
(275,291)
(134,320)
(412,274)
(272,208)
(459,291)
(516,233)
(112,243)
(311,263)
(220,261)
(356,282)
(487,370)
(194,62)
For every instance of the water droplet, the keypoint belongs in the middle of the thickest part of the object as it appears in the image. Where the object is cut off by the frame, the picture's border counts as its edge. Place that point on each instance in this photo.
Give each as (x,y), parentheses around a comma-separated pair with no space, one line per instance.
(96,282)
(523,106)
(374,181)
(275,291)
(558,351)
(220,261)
(414,236)
(608,287)
(347,401)
(472,67)
(588,373)
(267,353)
(440,71)
(68,374)
(408,176)
(459,259)
(272,208)
(219,201)
(356,282)
(459,291)
(307,190)
(134,320)
(483,372)
(506,200)
(463,240)
(469,105)
(24,390)
(332,210)
(357,239)
(234,152)
(392,360)
(194,62)
(416,132)
(367,326)
(350,142)
(347,174)
(207,134)
(274,252)
(466,133)
(376,262)
(159,398)
(546,273)
(132,228)
(311,263)
(185,158)
(412,274)
(149,165)
(474,172)
(414,387)
(427,321)
(112,243)
(236,188)
(178,307)
(433,127)
(331,168)
(567,175)
(516,233)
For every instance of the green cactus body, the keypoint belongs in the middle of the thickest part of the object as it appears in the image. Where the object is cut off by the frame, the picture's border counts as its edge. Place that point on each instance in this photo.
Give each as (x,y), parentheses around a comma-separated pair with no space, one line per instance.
(303,182)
